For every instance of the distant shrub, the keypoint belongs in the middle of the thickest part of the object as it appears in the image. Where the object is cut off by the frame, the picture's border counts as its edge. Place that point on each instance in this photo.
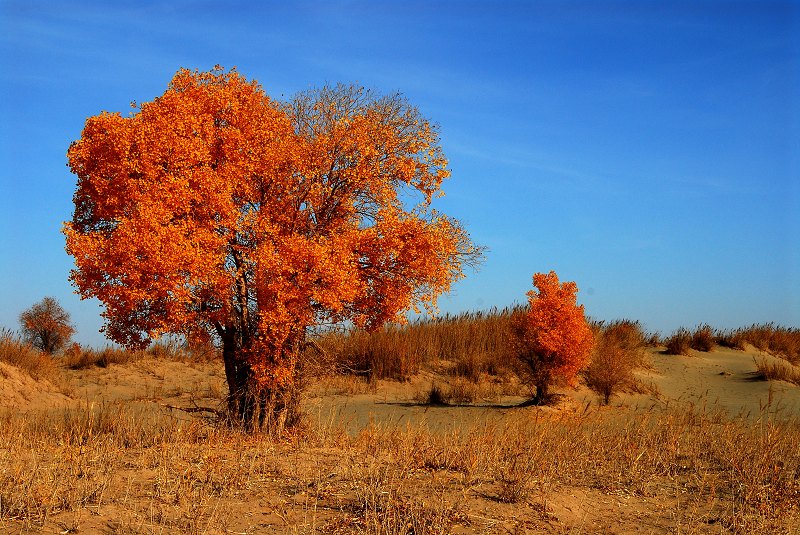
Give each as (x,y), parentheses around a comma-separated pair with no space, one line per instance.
(703,338)
(619,350)
(77,357)
(679,342)
(46,325)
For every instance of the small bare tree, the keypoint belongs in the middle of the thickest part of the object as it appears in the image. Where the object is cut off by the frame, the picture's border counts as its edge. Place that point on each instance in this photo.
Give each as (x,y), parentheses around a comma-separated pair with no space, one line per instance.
(46,325)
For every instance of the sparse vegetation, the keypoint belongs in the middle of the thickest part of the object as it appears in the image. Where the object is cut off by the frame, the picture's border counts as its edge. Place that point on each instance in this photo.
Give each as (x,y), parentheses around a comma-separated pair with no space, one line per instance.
(679,342)
(703,338)
(20,353)
(699,466)
(619,350)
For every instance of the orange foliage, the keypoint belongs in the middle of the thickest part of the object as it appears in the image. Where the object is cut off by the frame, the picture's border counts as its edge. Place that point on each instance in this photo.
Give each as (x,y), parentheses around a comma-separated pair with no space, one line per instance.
(554,341)
(216,209)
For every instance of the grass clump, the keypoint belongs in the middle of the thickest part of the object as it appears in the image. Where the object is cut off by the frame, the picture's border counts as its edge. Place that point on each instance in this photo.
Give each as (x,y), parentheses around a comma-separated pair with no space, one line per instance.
(703,338)
(679,342)
(783,342)
(23,355)
(777,370)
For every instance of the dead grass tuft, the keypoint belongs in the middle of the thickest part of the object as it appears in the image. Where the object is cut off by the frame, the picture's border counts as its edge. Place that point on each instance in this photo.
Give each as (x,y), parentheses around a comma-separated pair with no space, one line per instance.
(776,370)
(679,342)
(776,340)
(703,338)
(23,355)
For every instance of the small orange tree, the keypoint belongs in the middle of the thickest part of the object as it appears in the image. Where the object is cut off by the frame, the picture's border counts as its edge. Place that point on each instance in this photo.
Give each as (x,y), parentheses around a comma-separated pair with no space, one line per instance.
(552,338)
(46,325)
(217,212)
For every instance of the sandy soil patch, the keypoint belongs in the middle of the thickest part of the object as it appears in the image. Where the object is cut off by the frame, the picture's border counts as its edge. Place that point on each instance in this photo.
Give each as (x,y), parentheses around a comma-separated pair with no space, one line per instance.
(19,392)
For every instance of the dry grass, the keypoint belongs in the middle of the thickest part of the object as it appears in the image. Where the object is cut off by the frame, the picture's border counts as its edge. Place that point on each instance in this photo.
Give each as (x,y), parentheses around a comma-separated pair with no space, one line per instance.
(776,340)
(149,471)
(619,350)
(679,342)
(77,357)
(461,391)
(140,470)
(476,343)
(23,355)
(160,474)
(773,370)
(703,338)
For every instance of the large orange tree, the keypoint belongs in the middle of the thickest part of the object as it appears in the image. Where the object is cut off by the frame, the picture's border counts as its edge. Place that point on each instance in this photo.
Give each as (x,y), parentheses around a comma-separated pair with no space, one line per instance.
(553,339)
(215,211)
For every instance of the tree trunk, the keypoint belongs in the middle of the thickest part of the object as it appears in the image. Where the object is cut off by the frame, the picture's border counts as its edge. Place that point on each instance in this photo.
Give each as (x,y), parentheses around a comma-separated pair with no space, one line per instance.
(542,393)
(253,406)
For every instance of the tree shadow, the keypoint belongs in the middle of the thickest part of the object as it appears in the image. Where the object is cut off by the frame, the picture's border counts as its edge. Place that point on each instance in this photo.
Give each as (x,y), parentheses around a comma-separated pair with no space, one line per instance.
(552,400)
(754,377)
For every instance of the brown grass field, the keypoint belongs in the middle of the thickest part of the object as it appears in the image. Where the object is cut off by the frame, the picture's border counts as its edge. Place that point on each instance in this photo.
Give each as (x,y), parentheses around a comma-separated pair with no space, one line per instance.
(107,441)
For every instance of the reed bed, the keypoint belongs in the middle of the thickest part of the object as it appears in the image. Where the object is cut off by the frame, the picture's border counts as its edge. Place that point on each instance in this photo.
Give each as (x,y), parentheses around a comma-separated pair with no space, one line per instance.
(474,343)
(774,339)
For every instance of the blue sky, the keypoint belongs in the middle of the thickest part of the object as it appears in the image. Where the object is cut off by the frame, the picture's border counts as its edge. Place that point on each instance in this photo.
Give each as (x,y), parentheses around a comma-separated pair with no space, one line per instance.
(646,150)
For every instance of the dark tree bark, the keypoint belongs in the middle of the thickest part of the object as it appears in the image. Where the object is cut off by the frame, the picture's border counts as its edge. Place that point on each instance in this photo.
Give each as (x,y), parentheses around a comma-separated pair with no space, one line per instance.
(542,393)
(251,405)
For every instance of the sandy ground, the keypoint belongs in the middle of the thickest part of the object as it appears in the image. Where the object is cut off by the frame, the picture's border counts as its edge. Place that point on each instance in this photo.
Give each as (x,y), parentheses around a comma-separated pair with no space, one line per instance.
(20,392)
(724,380)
